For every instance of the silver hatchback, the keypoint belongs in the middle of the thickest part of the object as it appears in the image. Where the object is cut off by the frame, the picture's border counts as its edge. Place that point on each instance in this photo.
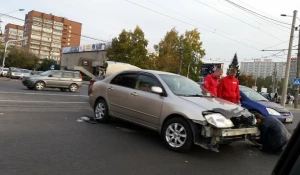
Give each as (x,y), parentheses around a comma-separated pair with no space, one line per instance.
(174,106)
(64,80)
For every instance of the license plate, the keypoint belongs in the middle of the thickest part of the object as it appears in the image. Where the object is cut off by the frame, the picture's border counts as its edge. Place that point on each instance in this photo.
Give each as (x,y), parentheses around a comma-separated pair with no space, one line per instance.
(289,119)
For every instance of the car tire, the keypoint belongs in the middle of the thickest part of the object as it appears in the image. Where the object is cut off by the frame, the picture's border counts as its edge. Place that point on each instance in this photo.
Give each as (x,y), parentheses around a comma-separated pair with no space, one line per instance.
(39,85)
(177,134)
(73,88)
(63,89)
(101,113)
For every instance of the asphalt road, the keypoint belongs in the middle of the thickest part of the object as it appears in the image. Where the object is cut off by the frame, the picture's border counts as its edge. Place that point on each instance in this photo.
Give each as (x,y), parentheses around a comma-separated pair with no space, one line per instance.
(39,134)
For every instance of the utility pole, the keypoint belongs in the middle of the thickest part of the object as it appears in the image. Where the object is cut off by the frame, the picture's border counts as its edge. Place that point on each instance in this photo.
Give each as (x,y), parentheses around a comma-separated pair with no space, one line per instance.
(288,64)
(274,79)
(181,58)
(297,74)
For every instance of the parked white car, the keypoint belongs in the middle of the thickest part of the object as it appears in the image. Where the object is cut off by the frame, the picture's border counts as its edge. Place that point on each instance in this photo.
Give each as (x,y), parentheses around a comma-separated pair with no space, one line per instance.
(3,71)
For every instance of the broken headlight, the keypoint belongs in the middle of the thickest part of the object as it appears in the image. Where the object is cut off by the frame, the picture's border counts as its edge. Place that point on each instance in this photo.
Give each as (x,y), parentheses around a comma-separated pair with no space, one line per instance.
(218,120)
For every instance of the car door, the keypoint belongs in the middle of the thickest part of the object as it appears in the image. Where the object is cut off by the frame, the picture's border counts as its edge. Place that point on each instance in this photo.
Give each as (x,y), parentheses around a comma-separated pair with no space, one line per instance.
(53,79)
(118,92)
(66,79)
(144,105)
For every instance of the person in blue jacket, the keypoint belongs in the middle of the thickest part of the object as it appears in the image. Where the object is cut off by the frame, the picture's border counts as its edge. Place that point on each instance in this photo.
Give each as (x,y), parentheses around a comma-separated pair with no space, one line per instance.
(273,134)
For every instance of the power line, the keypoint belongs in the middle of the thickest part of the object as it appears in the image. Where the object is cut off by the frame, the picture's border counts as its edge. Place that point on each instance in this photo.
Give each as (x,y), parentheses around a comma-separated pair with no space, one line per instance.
(237,5)
(19,19)
(280,43)
(202,23)
(190,24)
(255,19)
(237,19)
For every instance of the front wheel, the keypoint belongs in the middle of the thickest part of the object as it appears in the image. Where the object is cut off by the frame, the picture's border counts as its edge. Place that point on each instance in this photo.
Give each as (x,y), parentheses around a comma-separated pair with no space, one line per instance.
(73,88)
(178,135)
(39,85)
(101,111)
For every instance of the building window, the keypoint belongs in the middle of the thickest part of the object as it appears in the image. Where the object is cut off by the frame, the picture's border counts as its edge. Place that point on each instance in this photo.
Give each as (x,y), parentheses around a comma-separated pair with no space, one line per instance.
(70,27)
(70,31)
(68,44)
(69,36)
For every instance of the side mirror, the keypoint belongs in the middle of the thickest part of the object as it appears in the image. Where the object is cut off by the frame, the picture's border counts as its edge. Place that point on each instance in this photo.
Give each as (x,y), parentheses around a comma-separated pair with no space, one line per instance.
(156,90)
(50,76)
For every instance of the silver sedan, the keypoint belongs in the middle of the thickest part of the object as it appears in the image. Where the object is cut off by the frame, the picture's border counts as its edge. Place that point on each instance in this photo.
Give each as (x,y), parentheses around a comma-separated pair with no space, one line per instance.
(172,105)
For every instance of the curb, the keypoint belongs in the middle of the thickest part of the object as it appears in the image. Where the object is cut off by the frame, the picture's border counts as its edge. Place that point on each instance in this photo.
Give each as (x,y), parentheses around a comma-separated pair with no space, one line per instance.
(4,79)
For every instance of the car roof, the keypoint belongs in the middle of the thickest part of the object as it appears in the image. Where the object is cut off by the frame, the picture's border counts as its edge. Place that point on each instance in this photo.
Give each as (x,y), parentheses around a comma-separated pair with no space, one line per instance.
(150,71)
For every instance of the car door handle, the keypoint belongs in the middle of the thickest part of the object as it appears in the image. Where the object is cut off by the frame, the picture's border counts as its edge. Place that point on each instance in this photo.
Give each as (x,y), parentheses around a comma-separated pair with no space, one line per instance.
(134,94)
(110,88)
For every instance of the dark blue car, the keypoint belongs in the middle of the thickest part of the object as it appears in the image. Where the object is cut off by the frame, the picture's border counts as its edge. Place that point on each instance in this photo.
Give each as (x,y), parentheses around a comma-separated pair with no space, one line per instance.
(256,103)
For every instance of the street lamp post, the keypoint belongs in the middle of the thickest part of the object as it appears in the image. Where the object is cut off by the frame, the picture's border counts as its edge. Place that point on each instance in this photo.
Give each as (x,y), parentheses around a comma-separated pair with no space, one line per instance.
(6,44)
(6,14)
(288,64)
(181,59)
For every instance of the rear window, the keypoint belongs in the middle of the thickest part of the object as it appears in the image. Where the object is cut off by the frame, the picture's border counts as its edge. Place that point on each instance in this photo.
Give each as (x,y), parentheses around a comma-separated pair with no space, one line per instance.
(76,75)
(125,80)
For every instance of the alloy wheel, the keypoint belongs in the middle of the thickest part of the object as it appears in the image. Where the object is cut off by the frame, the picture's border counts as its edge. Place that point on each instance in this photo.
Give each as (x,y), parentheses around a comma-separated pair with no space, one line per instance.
(176,135)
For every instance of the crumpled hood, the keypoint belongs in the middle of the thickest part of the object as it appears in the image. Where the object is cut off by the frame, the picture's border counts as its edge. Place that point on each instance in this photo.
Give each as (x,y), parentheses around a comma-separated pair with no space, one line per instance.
(228,109)
(272,105)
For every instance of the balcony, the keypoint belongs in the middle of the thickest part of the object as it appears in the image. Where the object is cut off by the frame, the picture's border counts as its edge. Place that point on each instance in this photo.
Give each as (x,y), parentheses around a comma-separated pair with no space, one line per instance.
(56,53)
(47,26)
(47,30)
(46,34)
(57,27)
(36,37)
(47,21)
(56,45)
(34,46)
(35,42)
(57,37)
(36,33)
(58,23)
(46,39)
(37,19)
(36,28)
(45,48)
(45,44)
(37,23)
(56,41)
(55,50)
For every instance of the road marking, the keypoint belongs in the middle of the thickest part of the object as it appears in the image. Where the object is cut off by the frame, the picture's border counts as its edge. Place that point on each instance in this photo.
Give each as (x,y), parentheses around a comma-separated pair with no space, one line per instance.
(18,101)
(3,92)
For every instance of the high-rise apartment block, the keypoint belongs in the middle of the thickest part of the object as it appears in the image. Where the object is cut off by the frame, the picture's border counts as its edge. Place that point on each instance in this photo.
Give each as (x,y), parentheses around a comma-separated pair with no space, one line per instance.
(46,34)
(13,32)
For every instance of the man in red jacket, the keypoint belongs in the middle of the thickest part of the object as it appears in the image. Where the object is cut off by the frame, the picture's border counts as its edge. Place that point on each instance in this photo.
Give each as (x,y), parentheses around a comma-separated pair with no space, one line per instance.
(211,81)
(228,88)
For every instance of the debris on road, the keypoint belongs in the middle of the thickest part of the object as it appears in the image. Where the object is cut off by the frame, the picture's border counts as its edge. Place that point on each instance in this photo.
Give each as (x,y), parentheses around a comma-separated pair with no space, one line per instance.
(86,119)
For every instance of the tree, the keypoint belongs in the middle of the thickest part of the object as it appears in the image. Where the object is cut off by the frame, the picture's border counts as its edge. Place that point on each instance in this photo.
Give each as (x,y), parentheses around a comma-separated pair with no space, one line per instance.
(46,65)
(129,47)
(246,80)
(235,64)
(21,58)
(169,53)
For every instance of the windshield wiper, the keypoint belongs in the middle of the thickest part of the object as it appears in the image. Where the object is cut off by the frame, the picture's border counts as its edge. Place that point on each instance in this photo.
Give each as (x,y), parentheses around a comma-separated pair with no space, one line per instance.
(196,95)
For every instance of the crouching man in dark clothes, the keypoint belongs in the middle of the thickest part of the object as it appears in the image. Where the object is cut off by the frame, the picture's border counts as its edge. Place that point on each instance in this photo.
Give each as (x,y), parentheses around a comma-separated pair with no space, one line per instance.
(273,134)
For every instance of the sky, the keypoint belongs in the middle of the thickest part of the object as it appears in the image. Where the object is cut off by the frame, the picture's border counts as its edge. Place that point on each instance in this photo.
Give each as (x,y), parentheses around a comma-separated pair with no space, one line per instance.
(224,29)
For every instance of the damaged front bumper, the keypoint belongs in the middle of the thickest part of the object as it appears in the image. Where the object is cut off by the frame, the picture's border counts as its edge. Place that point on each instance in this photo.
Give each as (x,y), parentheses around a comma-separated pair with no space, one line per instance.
(210,137)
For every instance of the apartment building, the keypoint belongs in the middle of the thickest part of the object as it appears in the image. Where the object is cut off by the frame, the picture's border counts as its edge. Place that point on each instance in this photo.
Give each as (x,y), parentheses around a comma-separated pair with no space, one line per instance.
(13,32)
(47,34)
(267,68)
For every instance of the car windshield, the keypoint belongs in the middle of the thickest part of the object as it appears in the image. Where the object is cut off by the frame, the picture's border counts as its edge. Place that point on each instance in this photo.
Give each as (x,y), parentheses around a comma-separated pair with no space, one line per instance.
(47,73)
(15,70)
(183,86)
(252,95)
(25,71)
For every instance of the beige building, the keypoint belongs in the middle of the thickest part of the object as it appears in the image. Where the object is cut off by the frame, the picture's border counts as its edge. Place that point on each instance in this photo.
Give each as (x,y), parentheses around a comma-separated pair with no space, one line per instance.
(47,34)
(13,32)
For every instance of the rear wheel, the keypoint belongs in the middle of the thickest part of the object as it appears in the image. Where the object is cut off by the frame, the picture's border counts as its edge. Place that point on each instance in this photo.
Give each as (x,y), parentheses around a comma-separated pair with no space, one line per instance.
(39,85)
(73,88)
(178,135)
(101,111)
